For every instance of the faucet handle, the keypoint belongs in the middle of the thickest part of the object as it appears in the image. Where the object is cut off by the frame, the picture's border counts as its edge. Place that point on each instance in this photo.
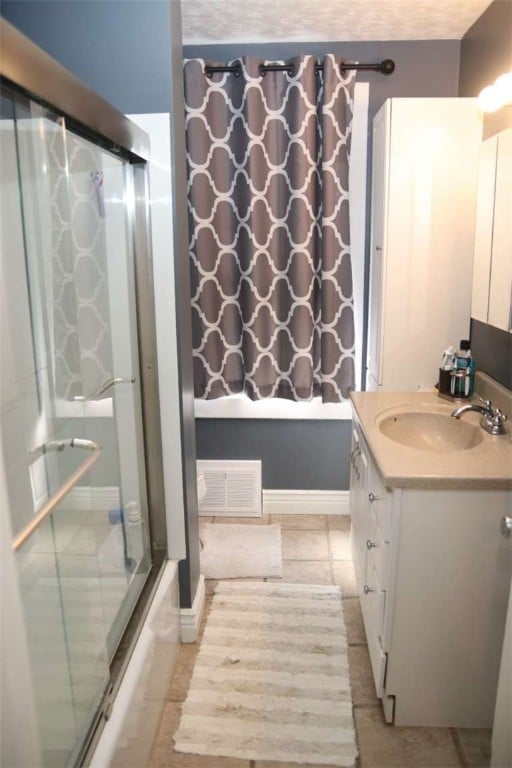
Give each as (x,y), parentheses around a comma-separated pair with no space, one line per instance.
(495,421)
(487,403)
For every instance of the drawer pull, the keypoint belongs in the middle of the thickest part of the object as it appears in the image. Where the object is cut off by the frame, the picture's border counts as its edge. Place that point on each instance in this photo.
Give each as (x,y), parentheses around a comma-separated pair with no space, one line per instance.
(370,544)
(367,589)
(372,497)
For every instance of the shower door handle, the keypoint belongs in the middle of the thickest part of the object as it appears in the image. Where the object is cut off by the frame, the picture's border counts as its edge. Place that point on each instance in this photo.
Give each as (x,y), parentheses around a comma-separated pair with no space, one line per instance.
(65,488)
(104,388)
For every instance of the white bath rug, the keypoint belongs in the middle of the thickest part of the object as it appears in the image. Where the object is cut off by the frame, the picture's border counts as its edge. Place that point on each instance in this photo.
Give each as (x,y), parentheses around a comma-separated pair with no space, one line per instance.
(234,551)
(271,677)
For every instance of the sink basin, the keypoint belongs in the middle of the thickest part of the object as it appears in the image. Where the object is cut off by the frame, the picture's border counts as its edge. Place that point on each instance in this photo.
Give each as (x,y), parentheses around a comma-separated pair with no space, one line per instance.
(431,431)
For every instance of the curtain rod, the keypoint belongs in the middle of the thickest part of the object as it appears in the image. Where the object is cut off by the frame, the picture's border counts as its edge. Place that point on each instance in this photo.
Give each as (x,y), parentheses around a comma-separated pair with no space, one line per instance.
(385,67)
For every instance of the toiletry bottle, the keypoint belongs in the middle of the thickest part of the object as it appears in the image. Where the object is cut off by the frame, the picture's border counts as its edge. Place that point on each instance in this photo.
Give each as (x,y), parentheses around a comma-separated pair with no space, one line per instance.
(134,535)
(445,371)
(463,369)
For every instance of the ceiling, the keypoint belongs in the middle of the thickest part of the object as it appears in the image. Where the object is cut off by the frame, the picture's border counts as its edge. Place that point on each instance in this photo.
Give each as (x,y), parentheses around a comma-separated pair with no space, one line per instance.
(257,21)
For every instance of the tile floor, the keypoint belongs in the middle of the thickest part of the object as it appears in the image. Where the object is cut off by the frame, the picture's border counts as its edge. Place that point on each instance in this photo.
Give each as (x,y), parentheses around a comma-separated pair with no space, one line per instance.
(316,551)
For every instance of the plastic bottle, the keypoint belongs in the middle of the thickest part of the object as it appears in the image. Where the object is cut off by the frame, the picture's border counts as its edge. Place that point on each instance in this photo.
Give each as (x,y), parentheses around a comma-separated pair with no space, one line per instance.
(462,378)
(134,528)
(448,359)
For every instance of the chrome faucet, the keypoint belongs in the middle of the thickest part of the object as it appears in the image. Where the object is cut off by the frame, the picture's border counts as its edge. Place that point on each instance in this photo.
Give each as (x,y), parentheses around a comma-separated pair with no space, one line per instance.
(493,420)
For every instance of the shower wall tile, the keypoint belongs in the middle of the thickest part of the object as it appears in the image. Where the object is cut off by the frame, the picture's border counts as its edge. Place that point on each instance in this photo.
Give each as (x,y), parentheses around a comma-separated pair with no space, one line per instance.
(13,439)
(19,492)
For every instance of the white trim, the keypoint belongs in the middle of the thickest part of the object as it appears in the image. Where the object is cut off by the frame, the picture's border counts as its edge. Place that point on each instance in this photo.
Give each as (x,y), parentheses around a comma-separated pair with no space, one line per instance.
(240,406)
(158,128)
(284,502)
(190,618)
(357,186)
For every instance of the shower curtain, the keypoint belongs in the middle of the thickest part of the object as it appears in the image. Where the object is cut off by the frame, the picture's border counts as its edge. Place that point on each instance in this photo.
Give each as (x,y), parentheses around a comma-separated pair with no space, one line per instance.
(268,157)
(80,341)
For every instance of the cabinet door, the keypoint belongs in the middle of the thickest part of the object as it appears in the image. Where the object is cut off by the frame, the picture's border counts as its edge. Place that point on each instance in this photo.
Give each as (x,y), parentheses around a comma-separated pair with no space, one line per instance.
(428,251)
(379,180)
(483,229)
(500,305)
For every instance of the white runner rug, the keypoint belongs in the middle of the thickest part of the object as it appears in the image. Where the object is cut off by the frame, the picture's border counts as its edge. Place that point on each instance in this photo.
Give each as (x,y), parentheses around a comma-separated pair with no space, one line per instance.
(234,551)
(271,677)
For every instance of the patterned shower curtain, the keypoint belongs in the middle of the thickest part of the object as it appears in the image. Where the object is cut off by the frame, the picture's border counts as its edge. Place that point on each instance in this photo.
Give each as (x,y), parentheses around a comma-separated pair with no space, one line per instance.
(81,343)
(268,163)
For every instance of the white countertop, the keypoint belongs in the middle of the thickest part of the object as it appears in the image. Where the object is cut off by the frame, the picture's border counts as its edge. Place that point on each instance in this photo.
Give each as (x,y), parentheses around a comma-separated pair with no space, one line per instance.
(487,465)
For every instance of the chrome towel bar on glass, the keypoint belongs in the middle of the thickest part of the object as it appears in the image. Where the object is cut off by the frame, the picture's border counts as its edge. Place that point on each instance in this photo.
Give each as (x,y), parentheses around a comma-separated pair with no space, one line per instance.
(47,509)
(104,388)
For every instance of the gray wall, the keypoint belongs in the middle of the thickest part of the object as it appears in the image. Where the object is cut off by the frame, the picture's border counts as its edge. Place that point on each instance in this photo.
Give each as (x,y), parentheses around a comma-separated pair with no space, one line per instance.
(486,53)
(314,455)
(129,52)
(293,453)
(119,49)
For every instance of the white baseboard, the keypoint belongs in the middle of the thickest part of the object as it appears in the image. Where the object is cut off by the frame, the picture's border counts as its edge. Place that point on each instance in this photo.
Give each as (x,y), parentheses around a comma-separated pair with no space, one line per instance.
(284,502)
(190,618)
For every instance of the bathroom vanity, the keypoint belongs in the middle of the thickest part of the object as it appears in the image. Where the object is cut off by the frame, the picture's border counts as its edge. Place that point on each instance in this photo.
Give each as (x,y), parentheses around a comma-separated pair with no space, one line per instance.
(433,571)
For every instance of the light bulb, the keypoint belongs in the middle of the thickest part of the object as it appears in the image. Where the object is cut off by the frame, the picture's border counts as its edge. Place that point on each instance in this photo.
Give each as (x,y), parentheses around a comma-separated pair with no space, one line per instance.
(503,85)
(489,99)
(493,97)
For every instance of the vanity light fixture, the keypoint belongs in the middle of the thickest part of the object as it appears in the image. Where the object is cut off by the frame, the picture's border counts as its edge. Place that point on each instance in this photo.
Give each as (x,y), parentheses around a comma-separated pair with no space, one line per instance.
(498,95)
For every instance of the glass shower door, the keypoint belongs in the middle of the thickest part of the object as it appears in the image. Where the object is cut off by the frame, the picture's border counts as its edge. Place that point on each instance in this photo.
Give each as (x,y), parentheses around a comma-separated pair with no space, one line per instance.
(70,262)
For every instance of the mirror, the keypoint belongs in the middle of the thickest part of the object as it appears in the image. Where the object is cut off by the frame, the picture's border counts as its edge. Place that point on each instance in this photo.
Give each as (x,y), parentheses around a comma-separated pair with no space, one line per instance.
(492,270)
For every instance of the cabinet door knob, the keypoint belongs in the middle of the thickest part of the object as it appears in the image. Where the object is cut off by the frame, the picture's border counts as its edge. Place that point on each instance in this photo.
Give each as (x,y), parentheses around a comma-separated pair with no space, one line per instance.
(506,526)
(356,451)
(370,544)
(367,589)
(372,497)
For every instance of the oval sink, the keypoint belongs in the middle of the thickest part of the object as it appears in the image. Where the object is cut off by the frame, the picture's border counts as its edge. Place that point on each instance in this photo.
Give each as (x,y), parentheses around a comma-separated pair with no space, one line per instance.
(431,431)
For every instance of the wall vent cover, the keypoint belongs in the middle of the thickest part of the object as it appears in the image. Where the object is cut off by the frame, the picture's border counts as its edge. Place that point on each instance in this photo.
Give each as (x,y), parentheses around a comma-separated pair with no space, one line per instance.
(233,488)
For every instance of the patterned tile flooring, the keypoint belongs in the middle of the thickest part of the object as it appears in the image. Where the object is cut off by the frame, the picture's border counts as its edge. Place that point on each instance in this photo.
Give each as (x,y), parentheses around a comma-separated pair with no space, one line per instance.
(316,551)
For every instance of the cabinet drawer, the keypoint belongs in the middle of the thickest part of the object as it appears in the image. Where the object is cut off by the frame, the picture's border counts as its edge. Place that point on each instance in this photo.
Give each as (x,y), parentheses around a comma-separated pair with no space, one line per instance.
(373,600)
(380,502)
(378,551)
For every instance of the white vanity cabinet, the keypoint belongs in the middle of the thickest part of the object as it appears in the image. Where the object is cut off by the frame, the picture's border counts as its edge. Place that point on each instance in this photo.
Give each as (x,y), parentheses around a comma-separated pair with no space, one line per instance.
(371,515)
(433,575)
(424,182)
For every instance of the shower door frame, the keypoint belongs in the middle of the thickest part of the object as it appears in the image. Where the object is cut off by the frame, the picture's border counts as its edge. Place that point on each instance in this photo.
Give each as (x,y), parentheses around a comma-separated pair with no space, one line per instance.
(25,68)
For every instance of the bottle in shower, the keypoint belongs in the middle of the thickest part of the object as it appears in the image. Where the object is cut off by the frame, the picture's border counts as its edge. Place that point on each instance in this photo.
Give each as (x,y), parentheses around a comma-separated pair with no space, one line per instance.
(134,528)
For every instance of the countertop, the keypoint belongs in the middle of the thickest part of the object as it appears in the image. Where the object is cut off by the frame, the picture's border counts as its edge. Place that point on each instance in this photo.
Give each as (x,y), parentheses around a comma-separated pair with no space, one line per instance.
(487,465)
